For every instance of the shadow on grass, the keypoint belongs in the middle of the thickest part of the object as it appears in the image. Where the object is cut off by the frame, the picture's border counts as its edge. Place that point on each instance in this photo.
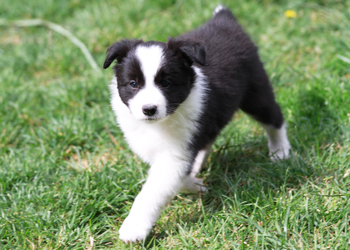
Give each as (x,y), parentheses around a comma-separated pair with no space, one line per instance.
(244,175)
(317,122)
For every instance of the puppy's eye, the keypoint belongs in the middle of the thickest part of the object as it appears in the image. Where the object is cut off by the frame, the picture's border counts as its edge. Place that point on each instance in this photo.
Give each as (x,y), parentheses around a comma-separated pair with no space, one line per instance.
(133,84)
(165,83)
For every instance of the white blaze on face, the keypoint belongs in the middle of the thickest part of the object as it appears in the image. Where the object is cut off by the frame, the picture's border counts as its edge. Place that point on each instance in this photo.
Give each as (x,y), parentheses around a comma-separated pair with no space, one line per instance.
(150,59)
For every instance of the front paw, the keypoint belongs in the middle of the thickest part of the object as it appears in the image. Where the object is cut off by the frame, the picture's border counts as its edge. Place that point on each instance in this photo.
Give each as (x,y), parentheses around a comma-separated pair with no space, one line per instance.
(134,229)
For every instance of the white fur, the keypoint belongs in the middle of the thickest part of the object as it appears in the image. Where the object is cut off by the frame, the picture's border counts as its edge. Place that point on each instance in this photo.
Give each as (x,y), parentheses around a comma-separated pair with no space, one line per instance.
(150,59)
(191,184)
(200,160)
(217,9)
(164,146)
(277,141)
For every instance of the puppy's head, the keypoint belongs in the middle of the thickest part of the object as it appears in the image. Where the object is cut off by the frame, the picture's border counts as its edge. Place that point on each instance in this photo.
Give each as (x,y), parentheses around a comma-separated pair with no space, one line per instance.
(154,78)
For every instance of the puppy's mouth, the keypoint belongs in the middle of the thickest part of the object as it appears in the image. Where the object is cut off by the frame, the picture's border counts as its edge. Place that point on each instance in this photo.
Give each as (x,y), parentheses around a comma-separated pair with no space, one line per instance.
(152,119)
(155,119)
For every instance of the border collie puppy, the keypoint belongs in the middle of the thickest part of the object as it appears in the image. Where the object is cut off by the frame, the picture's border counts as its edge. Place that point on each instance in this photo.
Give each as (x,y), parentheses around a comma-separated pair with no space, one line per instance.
(172,99)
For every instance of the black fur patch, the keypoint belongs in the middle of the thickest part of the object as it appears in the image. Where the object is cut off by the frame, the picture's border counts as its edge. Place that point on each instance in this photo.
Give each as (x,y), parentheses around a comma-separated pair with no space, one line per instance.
(236,79)
(187,51)
(119,50)
(129,70)
(177,70)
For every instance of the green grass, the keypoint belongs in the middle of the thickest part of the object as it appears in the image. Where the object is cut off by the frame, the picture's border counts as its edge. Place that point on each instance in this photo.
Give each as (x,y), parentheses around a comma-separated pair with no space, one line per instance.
(68,179)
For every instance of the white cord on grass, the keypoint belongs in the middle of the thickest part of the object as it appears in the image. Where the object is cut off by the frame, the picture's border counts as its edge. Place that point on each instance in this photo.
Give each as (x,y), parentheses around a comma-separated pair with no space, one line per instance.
(59,29)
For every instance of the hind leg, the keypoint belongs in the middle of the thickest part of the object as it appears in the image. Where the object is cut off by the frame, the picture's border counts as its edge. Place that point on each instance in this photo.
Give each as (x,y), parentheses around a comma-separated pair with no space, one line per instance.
(261,105)
(192,184)
(277,141)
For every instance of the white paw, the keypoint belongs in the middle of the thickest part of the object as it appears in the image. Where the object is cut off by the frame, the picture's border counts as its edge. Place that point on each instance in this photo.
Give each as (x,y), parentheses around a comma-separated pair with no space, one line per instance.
(280,153)
(193,185)
(278,143)
(134,229)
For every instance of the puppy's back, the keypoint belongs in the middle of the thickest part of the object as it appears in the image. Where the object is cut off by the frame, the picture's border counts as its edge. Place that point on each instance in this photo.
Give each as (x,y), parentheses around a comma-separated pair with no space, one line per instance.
(233,70)
(225,41)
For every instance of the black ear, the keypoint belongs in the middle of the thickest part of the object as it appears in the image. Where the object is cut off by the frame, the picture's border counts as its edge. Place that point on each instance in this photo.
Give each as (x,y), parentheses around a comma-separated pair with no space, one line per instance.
(191,51)
(119,50)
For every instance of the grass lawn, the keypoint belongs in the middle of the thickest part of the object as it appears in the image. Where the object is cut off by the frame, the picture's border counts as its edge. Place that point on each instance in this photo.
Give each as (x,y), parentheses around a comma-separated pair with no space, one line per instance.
(68,179)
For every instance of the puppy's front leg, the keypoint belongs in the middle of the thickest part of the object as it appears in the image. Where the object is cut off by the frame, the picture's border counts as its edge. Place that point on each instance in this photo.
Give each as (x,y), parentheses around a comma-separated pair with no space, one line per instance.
(164,181)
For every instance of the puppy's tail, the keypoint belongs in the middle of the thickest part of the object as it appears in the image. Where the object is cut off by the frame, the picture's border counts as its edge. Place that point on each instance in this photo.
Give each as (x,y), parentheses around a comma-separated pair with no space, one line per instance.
(221,10)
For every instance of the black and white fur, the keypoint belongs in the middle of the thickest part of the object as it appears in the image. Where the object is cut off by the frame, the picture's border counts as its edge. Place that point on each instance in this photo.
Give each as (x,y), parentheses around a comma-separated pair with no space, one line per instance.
(172,99)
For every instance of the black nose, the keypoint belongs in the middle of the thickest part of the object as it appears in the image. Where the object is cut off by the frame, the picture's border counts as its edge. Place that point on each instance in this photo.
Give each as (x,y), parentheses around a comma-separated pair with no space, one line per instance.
(149,109)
